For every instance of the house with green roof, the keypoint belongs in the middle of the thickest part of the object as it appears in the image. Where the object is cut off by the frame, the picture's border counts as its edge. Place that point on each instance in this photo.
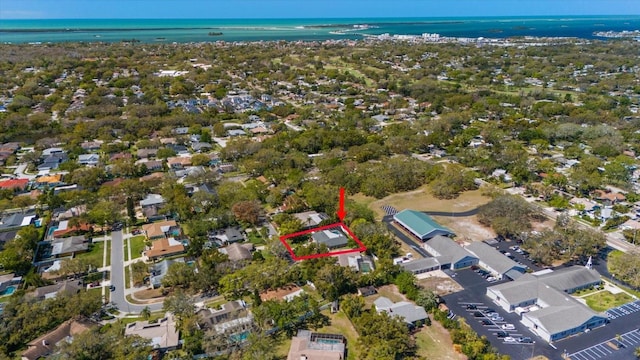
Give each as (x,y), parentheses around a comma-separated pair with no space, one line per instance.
(420,224)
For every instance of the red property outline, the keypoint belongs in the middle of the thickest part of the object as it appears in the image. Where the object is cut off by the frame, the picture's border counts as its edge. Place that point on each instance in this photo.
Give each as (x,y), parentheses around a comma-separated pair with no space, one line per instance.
(344,227)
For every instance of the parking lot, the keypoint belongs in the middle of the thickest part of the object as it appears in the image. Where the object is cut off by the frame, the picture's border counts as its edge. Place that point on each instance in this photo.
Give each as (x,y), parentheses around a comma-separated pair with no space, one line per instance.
(614,348)
(623,310)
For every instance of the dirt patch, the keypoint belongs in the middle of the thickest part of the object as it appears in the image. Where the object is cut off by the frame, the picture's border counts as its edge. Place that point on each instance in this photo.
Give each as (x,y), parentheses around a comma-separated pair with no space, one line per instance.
(434,342)
(542,226)
(438,282)
(466,228)
(421,199)
(389,291)
(148,294)
(279,293)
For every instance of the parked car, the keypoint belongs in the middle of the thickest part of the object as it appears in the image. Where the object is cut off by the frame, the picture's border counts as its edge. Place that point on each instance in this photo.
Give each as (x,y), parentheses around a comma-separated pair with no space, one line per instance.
(478,314)
(112,288)
(486,322)
(502,334)
(488,310)
(509,339)
(508,327)
(471,307)
(497,318)
(525,340)
(491,279)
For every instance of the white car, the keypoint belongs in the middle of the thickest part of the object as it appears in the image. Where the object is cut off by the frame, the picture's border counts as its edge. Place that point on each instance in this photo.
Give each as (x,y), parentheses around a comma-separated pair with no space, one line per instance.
(509,339)
(508,327)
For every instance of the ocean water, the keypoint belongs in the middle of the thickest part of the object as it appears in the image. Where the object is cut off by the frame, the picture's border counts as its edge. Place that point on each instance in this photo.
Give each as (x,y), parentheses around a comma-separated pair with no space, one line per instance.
(197,30)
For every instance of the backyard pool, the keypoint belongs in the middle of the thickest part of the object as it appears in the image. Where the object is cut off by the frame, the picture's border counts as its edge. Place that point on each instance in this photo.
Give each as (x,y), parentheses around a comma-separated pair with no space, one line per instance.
(8,291)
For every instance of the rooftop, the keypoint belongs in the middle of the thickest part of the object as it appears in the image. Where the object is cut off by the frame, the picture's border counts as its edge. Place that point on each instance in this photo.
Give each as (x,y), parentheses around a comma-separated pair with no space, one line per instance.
(421,224)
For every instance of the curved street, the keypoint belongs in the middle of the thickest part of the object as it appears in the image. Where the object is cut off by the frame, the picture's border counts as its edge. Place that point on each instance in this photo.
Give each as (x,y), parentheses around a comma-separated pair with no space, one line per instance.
(118,296)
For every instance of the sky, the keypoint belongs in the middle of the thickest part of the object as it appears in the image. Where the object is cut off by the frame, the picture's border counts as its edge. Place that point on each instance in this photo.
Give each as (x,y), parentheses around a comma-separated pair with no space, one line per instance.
(240,9)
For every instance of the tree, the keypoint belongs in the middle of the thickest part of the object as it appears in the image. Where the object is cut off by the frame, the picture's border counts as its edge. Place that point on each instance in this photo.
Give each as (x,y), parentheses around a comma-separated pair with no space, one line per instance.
(181,306)
(179,274)
(247,211)
(110,343)
(454,180)
(145,313)
(139,271)
(508,215)
(332,281)
(105,212)
(131,211)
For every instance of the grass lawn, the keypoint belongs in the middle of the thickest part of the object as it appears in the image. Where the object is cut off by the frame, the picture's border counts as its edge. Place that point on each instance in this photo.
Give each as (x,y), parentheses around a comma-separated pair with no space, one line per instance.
(421,199)
(129,320)
(341,325)
(585,292)
(255,238)
(216,302)
(137,246)
(434,342)
(96,255)
(127,277)
(605,300)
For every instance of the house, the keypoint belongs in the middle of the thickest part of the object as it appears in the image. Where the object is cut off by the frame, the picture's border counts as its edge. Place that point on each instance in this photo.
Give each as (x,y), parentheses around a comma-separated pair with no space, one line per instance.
(152,200)
(231,318)
(201,146)
(120,156)
(164,247)
(310,219)
(238,252)
(146,153)
(495,262)
(159,270)
(287,293)
(554,314)
(367,291)
(236,132)
(179,162)
(17,220)
(308,345)
(358,262)
(91,146)
(163,333)
(46,344)
(49,181)
(69,246)
(608,198)
(410,313)
(88,159)
(51,162)
(151,165)
(161,230)
(14,184)
(420,224)
(333,238)
(586,204)
(63,229)
(449,254)
(422,265)
(7,280)
(68,288)
(226,168)
(226,236)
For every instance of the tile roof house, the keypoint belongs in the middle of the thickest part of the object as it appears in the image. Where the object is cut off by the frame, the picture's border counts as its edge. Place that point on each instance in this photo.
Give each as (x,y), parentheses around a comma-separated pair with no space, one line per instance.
(161,229)
(46,344)
(164,247)
(409,312)
(608,198)
(557,313)
(163,333)
(64,229)
(179,162)
(14,184)
(308,345)
(333,238)
(420,224)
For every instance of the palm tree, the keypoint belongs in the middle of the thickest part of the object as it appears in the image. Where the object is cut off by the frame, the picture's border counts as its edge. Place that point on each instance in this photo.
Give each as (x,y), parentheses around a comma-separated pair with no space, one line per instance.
(145,313)
(637,352)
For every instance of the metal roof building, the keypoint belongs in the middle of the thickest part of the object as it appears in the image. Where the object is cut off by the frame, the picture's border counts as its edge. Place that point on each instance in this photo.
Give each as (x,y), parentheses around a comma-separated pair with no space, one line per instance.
(420,224)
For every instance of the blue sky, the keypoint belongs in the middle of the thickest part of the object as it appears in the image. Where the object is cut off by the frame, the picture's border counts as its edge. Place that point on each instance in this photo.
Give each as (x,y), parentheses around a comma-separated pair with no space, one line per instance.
(215,9)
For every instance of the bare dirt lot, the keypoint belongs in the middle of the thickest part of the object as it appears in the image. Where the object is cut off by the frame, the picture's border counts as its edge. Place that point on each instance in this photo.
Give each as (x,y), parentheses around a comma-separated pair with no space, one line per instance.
(438,282)
(466,228)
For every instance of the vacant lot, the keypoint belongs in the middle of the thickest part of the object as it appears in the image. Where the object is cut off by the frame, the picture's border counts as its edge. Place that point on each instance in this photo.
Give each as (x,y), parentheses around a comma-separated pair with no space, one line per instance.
(605,300)
(467,228)
(434,342)
(421,199)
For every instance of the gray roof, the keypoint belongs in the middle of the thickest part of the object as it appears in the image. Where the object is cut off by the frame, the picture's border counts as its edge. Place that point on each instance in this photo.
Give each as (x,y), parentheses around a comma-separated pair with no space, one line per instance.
(160,269)
(570,277)
(238,252)
(331,238)
(69,245)
(404,309)
(420,264)
(447,250)
(493,258)
(556,319)
(152,199)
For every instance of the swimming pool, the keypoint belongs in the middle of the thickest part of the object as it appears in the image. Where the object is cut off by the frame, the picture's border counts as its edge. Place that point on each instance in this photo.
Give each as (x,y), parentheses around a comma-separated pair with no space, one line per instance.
(8,291)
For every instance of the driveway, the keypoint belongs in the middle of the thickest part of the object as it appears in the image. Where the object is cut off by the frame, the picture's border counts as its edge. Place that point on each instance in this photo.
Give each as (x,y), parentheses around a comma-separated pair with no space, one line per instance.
(117,278)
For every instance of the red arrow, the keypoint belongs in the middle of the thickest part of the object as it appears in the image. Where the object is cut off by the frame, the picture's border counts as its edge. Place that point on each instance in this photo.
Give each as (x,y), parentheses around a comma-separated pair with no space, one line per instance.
(341,213)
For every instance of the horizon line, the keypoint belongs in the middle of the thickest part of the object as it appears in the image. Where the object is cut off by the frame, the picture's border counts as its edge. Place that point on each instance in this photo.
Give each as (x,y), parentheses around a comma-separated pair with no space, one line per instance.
(337,18)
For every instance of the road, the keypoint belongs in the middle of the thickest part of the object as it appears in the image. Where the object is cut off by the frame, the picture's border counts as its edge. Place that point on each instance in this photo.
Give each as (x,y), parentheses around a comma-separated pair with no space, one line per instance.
(118,296)
(406,239)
